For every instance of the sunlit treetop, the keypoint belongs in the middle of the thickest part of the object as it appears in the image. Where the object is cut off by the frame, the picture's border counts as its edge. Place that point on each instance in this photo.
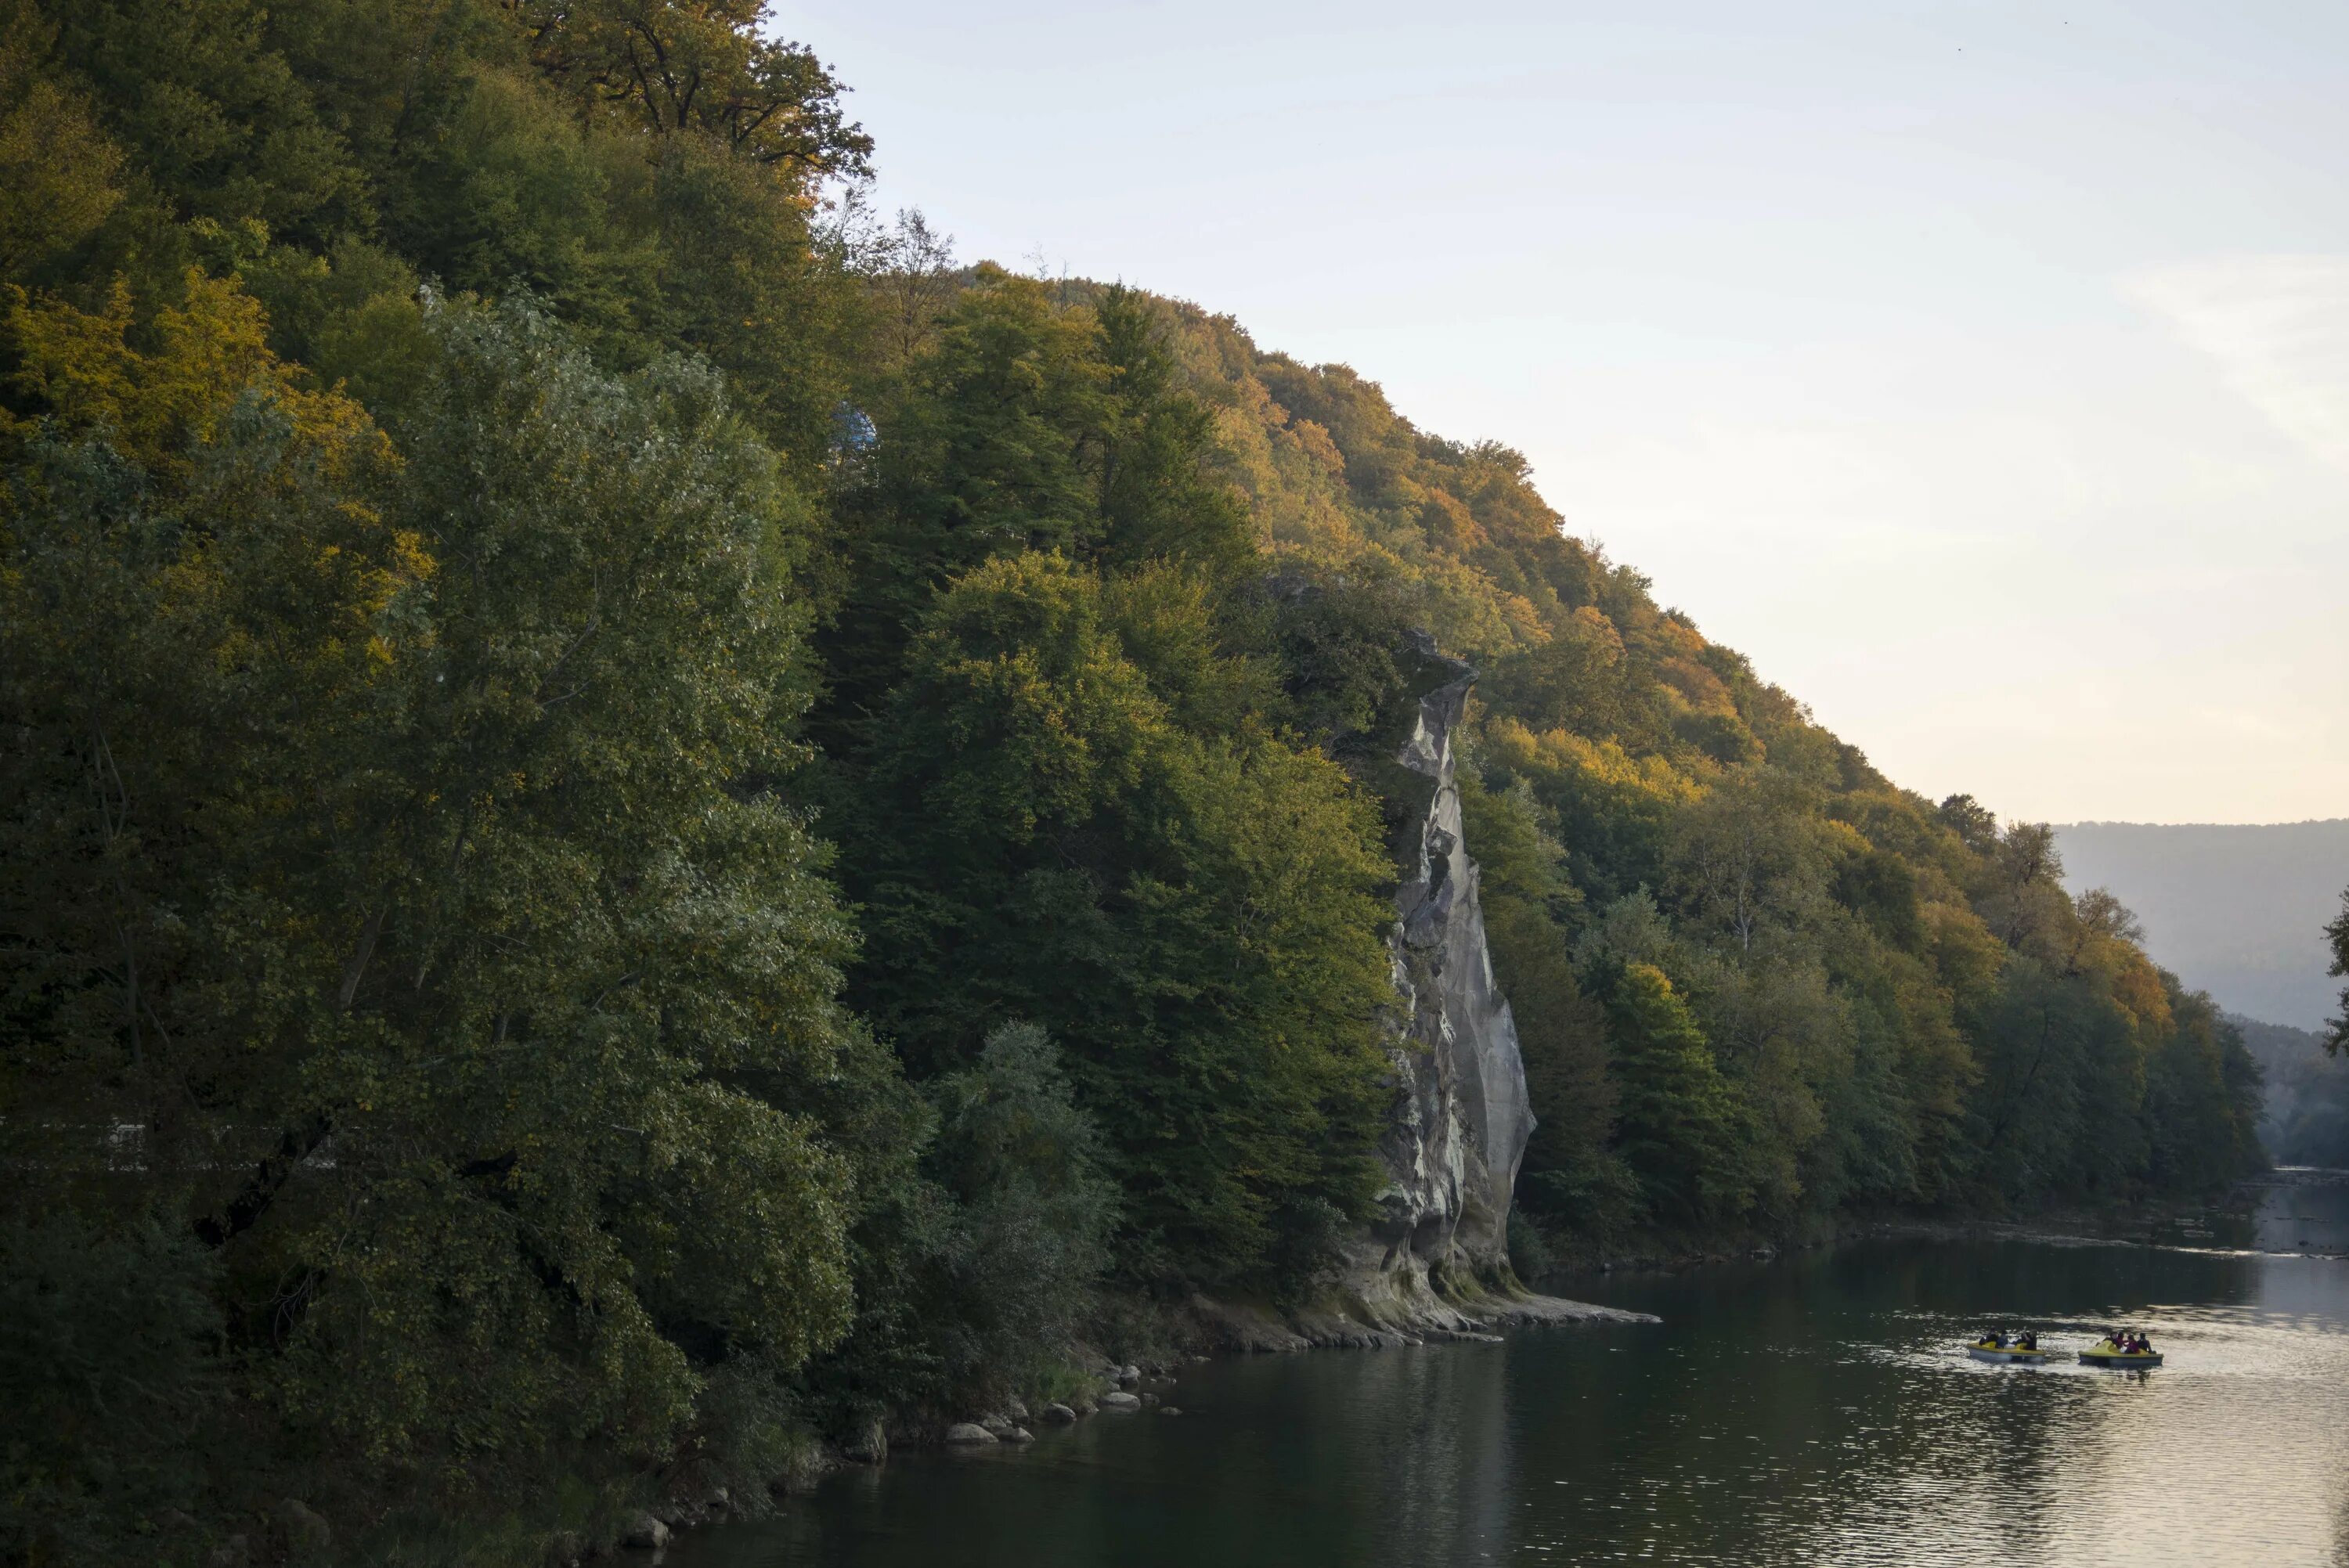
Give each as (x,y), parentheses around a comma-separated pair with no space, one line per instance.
(700,66)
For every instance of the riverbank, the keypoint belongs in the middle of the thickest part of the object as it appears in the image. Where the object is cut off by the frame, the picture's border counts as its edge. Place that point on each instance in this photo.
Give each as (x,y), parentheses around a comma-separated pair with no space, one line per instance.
(1254,1328)
(2244,1217)
(1153,1346)
(2238,1218)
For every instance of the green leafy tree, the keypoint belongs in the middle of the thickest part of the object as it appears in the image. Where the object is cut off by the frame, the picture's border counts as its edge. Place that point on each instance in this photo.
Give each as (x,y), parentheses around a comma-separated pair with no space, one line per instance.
(1036,1205)
(1750,858)
(1677,1118)
(401,860)
(2059,1109)
(1196,917)
(1569,1177)
(1158,500)
(2202,1099)
(700,67)
(201,95)
(1027,423)
(59,174)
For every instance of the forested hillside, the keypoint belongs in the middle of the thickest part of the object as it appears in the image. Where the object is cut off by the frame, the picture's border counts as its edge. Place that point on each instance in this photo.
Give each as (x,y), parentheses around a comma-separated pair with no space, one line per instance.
(2305,1119)
(643,820)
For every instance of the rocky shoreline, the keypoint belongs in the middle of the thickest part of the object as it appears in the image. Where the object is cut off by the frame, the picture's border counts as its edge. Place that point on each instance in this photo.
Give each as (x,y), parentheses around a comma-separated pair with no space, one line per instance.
(1241,1327)
(1136,1388)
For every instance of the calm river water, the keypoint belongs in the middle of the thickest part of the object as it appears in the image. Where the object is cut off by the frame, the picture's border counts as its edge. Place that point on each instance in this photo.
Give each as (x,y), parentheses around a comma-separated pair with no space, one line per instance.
(1811,1410)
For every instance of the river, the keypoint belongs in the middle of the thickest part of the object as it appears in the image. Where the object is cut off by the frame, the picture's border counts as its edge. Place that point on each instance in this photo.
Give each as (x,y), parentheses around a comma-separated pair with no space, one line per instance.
(1812,1409)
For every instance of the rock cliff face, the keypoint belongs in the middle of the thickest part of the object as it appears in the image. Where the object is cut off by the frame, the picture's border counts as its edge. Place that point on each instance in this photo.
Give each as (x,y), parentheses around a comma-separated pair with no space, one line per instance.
(1461,1118)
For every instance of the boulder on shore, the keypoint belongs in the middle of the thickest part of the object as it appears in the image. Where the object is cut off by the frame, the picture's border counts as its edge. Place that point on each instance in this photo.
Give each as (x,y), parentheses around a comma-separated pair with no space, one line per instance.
(968,1432)
(1121,1400)
(1056,1411)
(645,1533)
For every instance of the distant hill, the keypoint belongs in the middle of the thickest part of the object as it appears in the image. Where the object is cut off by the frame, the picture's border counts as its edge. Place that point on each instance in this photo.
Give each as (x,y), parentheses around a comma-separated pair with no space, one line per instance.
(2238,911)
(2306,1118)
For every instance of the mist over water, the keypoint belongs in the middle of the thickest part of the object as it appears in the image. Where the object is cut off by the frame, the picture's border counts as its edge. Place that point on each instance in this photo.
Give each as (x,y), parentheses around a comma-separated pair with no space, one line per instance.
(1813,1410)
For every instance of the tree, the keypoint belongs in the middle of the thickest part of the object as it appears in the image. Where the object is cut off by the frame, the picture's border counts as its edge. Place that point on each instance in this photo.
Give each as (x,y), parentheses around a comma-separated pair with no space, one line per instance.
(2202,1099)
(982,454)
(202,97)
(1158,501)
(58,174)
(909,269)
(1575,681)
(1569,1177)
(2020,889)
(1750,857)
(1677,1118)
(385,842)
(2061,1101)
(1195,916)
(1035,1208)
(2103,914)
(706,67)
(1973,823)
(1785,1038)
(2336,1037)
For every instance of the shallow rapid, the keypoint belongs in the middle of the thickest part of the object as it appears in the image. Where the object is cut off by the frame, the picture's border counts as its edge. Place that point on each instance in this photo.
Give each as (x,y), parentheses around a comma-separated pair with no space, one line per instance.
(1816,1410)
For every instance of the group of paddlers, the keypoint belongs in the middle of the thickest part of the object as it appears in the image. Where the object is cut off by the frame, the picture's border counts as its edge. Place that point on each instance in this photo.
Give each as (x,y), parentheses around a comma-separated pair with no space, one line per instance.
(2119,1342)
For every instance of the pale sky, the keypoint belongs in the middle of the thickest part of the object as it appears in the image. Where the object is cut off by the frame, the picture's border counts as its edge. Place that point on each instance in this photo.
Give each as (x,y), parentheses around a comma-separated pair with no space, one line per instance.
(1981,371)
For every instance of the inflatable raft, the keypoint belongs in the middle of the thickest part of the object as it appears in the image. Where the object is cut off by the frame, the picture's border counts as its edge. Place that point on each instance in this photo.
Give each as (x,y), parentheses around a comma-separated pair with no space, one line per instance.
(1984,1350)
(2104,1353)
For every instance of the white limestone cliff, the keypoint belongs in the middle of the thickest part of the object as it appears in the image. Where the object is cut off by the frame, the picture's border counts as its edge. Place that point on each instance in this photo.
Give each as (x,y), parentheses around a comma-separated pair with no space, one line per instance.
(1461,1118)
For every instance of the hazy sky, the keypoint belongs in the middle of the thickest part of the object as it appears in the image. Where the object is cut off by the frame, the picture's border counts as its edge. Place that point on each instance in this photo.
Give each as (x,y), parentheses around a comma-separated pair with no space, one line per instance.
(1982,371)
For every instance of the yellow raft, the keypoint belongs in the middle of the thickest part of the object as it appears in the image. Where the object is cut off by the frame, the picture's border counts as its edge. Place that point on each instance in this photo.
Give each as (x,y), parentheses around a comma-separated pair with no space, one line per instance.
(2104,1353)
(1991,1350)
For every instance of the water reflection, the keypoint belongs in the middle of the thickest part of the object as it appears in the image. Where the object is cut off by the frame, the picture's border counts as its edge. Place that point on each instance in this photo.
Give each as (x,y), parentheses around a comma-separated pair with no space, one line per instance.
(1811,1411)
